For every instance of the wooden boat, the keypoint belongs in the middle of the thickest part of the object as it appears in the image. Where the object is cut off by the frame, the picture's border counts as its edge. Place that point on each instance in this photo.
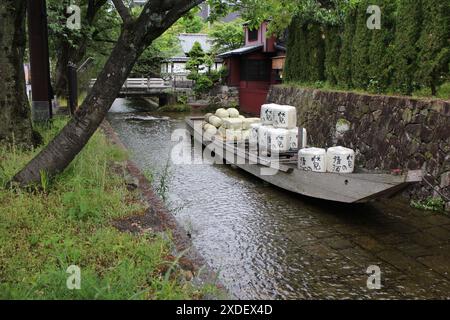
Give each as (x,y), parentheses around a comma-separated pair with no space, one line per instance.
(358,187)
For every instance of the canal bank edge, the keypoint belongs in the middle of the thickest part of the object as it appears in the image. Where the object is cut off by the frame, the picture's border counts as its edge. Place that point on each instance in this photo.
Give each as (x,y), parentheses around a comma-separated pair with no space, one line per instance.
(160,219)
(387,132)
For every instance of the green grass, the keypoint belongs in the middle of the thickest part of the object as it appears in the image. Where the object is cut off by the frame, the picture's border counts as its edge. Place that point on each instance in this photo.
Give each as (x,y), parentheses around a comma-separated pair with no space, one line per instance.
(62,101)
(68,221)
(176,108)
(430,204)
(443,91)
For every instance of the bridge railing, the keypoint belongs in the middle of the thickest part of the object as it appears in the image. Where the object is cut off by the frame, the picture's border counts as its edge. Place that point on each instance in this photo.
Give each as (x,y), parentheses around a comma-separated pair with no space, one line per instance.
(135,83)
(141,84)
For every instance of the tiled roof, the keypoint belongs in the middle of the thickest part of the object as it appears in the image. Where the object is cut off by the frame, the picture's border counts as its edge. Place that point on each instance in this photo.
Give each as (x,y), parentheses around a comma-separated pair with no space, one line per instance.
(241,51)
(187,41)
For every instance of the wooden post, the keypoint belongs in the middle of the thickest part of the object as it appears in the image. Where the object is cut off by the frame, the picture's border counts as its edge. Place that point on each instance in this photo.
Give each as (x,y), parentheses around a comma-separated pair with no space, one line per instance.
(41,105)
(73,88)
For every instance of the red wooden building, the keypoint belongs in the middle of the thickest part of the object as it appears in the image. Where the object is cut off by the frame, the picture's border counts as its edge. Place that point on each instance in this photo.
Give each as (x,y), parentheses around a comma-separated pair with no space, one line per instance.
(254,67)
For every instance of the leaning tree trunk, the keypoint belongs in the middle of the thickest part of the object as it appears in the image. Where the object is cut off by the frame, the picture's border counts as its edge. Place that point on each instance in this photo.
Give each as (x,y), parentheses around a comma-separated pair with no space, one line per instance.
(15,121)
(135,37)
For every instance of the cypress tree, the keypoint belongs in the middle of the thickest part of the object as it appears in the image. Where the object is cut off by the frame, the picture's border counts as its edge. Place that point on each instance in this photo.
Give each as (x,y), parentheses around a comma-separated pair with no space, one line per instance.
(332,53)
(434,44)
(315,53)
(408,27)
(344,72)
(303,54)
(289,75)
(297,60)
(380,68)
(360,47)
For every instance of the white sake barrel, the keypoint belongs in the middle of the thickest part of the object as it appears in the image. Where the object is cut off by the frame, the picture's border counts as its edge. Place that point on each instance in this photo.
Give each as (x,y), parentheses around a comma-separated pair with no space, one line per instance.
(215,121)
(222,113)
(284,117)
(247,122)
(246,134)
(233,135)
(312,159)
(208,126)
(222,131)
(207,116)
(254,127)
(279,140)
(264,137)
(210,133)
(340,160)
(267,113)
(232,123)
(293,139)
(233,113)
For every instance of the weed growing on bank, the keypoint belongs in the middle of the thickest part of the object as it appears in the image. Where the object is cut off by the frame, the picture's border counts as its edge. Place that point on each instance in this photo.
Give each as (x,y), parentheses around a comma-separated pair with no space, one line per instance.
(68,221)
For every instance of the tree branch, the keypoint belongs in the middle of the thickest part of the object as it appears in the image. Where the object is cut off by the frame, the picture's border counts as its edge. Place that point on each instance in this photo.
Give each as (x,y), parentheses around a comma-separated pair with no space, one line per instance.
(123,11)
(93,8)
(177,13)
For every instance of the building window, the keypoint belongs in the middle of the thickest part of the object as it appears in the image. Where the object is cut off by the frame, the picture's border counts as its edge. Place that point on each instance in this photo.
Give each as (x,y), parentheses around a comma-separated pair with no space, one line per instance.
(253,35)
(255,70)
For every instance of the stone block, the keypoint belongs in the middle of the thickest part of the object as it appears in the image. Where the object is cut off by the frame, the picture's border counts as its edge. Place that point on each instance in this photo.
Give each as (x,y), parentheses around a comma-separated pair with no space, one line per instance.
(445,180)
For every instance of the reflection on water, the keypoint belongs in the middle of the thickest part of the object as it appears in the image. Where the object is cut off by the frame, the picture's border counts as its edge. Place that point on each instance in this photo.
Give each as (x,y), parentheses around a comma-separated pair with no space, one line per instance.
(264,242)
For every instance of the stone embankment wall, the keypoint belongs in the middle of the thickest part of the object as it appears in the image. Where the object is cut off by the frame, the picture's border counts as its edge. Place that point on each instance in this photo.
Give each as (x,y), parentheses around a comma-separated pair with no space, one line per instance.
(386,132)
(223,97)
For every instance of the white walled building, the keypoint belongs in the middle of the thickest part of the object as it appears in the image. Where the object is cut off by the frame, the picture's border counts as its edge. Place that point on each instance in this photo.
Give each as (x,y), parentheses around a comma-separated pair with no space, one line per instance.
(175,67)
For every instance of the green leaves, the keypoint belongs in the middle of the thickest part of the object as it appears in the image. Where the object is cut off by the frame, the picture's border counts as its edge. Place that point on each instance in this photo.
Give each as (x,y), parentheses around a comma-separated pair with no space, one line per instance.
(227,36)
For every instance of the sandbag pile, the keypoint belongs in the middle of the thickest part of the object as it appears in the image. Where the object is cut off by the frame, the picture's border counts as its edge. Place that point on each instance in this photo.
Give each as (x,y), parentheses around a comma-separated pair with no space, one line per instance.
(229,125)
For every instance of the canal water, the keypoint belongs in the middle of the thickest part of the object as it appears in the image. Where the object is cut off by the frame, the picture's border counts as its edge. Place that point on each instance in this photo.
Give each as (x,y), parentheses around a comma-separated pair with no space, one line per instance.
(266,243)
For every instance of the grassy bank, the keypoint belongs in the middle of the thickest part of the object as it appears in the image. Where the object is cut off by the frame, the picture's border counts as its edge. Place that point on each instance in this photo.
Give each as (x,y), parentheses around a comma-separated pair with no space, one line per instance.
(442,93)
(176,108)
(68,221)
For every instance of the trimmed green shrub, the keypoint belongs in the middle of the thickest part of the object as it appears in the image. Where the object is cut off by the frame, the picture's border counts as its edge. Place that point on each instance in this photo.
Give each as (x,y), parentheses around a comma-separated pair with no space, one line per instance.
(297,64)
(344,74)
(315,51)
(332,53)
(360,47)
(434,44)
(291,62)
(380,69)
(410,54)
(409,17)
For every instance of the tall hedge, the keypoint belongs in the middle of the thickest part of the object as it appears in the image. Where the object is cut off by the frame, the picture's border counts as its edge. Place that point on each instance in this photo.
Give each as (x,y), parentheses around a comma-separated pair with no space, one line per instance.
(316,52)
(360,47)
(409,22)
(302,73)
(291,62)
(434,44)
(381,53)
(332,53)
(344,73)
(412,49)
(297,60)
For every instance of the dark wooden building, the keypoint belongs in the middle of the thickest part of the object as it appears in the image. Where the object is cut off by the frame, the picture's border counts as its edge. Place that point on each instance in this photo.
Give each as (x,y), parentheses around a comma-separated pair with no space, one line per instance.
(254,67)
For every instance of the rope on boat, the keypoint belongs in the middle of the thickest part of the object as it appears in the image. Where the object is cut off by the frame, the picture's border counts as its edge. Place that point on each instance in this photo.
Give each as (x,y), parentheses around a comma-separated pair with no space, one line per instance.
(435,187)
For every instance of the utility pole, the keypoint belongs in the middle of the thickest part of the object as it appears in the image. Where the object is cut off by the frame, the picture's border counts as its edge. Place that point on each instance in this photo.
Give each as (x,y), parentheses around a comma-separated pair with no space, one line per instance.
(41,106)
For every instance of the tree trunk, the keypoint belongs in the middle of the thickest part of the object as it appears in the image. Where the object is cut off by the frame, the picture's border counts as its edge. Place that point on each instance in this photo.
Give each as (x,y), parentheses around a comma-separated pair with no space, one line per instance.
(15,120)
(61,71)
(74,53)
(135,37)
